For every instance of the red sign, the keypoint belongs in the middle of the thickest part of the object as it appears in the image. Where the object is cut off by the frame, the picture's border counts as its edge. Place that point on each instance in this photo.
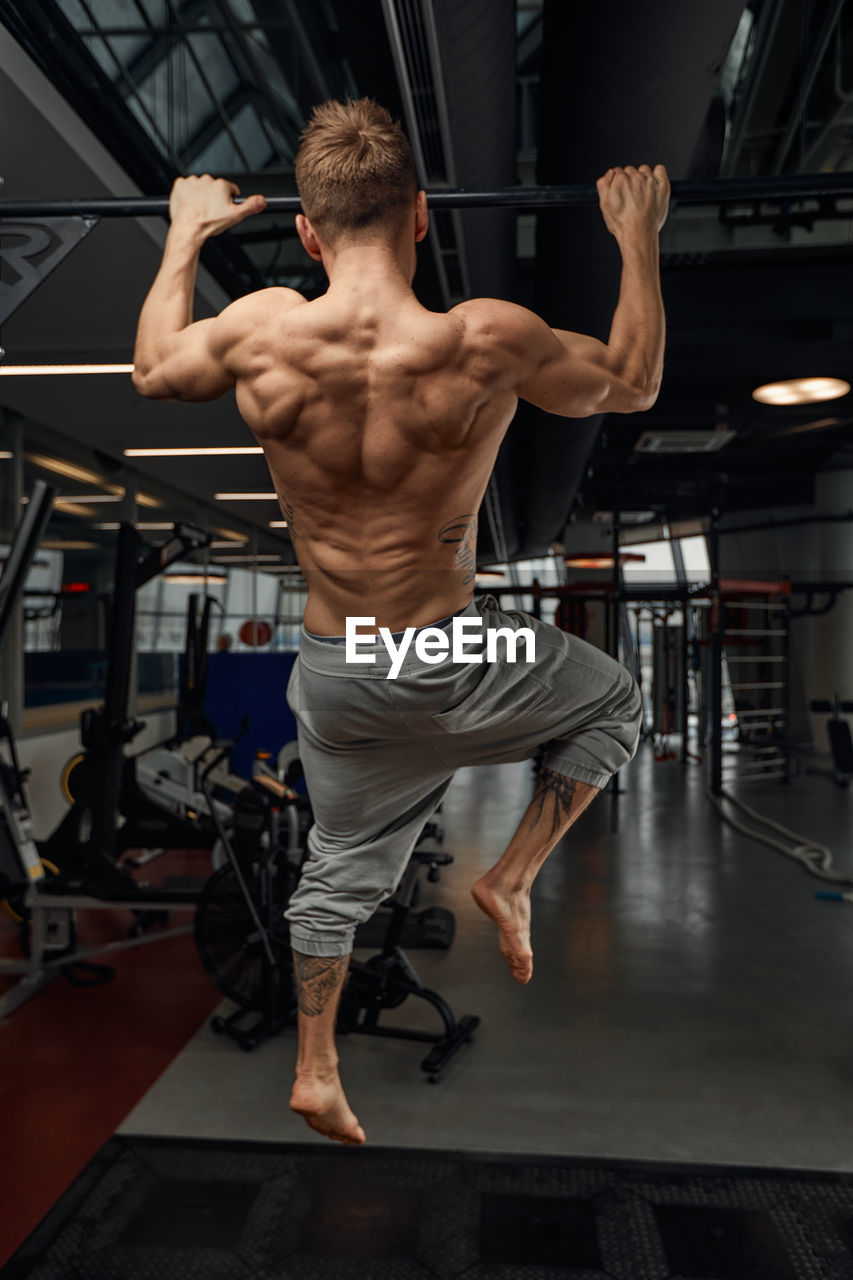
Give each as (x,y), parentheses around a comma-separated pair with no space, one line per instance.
(256,633)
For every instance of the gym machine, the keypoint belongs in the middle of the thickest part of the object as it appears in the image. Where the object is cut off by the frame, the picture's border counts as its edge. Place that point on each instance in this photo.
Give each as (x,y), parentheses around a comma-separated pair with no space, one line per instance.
(101,781)
(243,940)
(80,855)
(168,774)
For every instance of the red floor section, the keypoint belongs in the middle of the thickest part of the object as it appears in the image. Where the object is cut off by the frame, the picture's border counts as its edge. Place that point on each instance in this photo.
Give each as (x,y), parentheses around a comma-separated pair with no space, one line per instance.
(76,1061)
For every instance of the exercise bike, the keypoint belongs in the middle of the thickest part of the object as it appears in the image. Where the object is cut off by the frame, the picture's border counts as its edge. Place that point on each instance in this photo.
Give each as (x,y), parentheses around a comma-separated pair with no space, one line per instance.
(244,944)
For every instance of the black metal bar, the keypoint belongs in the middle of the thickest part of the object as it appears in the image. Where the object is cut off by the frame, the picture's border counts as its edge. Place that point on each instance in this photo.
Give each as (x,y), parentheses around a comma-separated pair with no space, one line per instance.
(24,546)
(636,593)
(713,191)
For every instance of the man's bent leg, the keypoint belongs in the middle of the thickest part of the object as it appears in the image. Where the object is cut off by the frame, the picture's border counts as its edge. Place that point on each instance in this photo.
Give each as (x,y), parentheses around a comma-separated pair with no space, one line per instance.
(318,1094)
(504,891)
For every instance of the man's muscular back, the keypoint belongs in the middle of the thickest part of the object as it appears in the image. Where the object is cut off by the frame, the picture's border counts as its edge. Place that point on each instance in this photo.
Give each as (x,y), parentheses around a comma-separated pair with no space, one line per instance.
(380,422)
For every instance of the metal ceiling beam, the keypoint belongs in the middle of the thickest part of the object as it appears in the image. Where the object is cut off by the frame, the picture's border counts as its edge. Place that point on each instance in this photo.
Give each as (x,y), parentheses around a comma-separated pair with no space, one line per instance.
(768,25)
(807,79)
(413,38)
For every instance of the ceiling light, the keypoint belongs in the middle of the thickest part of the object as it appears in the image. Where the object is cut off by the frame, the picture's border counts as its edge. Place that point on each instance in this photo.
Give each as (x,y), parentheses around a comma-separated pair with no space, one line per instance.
(69,508)
(145,500)
(245,497)
(11,370)
(72,471)
(278,524)
(68,544)
(6,453)
(142,524)
(595,561)
(230,533)
(801,391)
(93,497)
(196,579)
(589,562)
(213,451)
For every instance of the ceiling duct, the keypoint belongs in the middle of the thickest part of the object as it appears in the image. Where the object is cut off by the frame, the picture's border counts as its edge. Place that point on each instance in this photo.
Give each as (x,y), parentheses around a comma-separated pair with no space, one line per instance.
(683,441)
(412,33)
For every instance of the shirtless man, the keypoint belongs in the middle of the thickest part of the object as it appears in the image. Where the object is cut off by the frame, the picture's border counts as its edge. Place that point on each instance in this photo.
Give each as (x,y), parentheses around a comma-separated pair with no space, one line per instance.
(380,422)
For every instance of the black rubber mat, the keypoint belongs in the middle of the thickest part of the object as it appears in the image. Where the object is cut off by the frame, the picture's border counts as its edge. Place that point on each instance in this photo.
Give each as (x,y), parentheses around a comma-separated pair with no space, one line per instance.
(171,1209)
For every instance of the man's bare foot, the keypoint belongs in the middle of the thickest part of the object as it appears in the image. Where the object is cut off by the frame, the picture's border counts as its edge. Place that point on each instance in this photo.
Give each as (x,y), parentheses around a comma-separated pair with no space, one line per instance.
(511,913)
(322,1103)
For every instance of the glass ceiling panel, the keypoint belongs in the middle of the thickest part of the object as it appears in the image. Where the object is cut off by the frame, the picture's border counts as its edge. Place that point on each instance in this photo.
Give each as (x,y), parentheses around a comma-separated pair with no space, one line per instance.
(113,13)
(275,81)
(75,13)
(223,155)
(233,99)
(243,10)
(123,51)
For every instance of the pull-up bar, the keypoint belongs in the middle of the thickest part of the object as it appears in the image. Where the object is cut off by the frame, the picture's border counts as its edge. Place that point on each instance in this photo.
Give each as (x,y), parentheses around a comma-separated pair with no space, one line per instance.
(713,191)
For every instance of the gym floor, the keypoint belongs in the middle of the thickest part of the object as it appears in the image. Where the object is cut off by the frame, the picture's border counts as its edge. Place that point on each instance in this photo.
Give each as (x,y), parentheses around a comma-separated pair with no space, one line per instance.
(690,1004)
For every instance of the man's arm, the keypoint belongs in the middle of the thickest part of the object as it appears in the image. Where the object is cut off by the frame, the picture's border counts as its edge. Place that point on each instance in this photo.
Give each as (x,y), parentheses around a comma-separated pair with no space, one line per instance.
(175,359)
(578,376)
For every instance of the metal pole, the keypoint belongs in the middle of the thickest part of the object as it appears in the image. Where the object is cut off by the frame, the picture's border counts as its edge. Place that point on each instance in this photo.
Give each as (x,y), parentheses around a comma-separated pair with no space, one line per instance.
(128,512)
(710,191)
(717,625)
(685,681)
(616,598)
(13,684)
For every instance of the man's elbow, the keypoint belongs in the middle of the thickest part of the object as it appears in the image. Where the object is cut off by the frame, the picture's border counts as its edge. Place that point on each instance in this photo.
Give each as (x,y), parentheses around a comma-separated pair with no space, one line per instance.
(647,398)
(141,380)
(147,384)
(636,397)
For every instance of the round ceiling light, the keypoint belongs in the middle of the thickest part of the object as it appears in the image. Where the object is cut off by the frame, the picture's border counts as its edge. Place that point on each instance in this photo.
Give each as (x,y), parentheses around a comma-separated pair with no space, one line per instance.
(801,391)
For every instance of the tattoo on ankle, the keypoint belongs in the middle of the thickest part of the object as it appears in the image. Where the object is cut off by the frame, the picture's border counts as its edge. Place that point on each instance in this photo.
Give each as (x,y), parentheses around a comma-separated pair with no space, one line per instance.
(317,978)
(556,790)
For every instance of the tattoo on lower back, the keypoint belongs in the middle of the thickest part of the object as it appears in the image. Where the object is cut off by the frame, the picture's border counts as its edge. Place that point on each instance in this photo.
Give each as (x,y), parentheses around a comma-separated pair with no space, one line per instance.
(317,978)
(462,530)
(289,517)
(554,794)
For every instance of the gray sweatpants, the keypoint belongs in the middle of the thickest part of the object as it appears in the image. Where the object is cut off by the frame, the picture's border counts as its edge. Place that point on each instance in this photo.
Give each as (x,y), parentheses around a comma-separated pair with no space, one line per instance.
(379,753)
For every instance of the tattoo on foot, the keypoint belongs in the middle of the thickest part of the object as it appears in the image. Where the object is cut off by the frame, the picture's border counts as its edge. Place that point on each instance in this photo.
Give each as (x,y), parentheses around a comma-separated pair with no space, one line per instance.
(463,529)
(317,978)
(556,790)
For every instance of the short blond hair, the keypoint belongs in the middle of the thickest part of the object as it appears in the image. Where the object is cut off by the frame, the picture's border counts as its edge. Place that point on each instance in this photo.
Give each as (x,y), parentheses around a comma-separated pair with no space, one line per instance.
(354,169)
